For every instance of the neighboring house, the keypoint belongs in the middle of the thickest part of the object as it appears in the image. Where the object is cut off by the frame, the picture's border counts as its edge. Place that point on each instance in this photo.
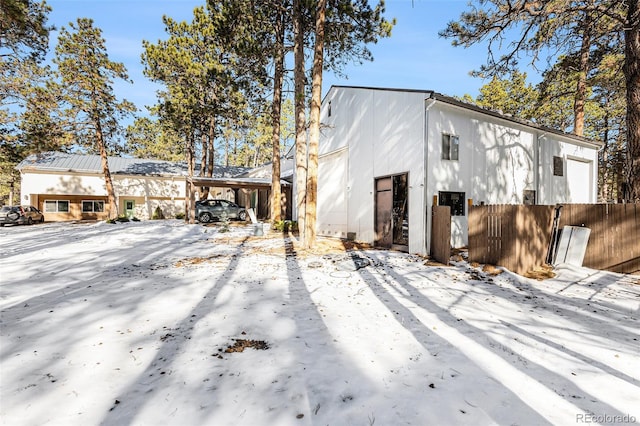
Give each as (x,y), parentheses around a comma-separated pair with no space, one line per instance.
(264,172)
(71,186)
(387,155)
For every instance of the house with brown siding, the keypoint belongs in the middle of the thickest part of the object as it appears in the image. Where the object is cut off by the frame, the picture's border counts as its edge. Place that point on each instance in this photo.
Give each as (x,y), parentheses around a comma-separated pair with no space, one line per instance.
(71,186)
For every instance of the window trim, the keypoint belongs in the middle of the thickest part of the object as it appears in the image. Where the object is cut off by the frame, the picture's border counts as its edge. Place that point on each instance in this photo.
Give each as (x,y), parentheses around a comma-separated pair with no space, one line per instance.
(93,206)
(447,147)
(45,203)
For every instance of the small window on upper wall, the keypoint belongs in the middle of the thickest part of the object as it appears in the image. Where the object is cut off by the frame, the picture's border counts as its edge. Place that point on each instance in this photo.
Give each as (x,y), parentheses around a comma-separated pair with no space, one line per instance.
(450,147)
(529,197)
(558,166)
(455,200)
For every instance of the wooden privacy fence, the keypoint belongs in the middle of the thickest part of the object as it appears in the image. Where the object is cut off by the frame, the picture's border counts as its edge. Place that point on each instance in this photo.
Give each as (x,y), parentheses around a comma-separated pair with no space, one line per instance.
(517,236)
(513,236)
(441,233)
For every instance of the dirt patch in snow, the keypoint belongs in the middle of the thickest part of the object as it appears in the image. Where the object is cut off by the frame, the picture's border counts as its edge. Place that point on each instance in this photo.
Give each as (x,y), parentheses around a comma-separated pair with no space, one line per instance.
(291,245)
(199,260)
(541,273)
(241,344)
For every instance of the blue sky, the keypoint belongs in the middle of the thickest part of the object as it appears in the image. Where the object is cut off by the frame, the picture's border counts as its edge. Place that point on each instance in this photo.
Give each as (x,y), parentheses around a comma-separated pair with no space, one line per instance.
(414,57)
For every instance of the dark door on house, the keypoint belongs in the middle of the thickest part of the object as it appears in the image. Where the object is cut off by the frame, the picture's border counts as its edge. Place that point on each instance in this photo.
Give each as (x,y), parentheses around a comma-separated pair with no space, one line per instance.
(384,203)
(392,212)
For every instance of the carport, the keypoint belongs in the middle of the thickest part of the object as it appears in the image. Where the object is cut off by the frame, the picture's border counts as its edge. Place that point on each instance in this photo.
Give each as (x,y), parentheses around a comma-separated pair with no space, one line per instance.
(250,192)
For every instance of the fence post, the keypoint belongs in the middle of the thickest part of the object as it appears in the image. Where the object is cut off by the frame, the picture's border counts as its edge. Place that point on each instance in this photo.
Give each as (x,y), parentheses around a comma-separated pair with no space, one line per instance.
(441,233)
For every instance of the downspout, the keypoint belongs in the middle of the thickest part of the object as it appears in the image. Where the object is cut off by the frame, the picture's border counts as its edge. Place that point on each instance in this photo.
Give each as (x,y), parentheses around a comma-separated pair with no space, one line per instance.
(429,102)
(538,166)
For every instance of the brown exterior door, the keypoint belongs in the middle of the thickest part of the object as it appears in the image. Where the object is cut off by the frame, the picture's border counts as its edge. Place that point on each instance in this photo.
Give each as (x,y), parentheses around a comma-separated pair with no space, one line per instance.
(392,212)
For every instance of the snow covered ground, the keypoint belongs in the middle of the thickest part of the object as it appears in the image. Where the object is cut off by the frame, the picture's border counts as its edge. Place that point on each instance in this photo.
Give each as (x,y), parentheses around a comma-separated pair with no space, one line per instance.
(160,322)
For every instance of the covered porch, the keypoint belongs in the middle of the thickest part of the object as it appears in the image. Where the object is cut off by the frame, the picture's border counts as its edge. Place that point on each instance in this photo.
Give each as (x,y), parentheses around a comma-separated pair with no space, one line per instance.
(249,192)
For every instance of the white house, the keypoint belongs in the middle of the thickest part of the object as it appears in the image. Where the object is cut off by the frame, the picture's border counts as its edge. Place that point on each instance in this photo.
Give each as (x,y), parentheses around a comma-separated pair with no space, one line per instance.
(72,187)
(387,155)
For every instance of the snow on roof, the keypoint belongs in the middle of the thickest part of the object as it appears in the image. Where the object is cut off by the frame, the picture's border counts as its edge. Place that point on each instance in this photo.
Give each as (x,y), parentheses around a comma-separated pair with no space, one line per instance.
(60,161)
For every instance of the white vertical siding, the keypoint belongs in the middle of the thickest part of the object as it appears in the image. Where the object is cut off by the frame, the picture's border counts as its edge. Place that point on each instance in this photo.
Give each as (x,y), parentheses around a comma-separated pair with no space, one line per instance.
(383,131)
(375,133)
(496,161)
(557,189)
(333,194)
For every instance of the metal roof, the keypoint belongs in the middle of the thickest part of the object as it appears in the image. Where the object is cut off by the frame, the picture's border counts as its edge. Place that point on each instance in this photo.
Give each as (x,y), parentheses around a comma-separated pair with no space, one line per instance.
(236,182)
(287,166)
(81,163)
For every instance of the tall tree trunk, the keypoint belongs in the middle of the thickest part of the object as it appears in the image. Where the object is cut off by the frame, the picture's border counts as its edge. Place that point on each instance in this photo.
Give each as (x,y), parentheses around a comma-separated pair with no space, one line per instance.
(108,182)
(203,157)
(226,135)
(190,190)
(211,147)
(204,190)
(276,107)
(301,134)
(581,89)
(314,128)
(632,77)
(604,167)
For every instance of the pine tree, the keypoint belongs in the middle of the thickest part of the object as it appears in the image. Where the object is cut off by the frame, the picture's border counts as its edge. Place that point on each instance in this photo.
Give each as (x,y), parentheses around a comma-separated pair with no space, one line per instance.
(92,110)
(341,31)
(24,39)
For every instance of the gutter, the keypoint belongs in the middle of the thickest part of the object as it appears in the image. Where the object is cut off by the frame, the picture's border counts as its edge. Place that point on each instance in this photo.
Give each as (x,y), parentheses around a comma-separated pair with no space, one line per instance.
(578,140)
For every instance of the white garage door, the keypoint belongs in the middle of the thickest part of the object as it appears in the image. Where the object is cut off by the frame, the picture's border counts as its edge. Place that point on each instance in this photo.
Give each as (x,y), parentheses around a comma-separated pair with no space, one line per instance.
(332,195)
(579,181)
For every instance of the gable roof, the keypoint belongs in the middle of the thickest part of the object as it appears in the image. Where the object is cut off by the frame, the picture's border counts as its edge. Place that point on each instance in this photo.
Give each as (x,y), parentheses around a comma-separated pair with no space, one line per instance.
(81,163)
(287,166)
(430,94)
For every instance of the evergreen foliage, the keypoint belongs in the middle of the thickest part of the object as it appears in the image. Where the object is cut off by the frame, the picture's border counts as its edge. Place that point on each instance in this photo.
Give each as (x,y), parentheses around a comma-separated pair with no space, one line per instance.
(575,39)
(90,108)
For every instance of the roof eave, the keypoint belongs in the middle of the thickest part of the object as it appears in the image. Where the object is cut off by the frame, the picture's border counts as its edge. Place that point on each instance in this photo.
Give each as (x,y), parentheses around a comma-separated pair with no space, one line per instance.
(576,139)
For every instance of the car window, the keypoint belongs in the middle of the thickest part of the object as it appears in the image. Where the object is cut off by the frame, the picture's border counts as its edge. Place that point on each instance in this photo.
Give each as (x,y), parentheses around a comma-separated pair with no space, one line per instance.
(5,209)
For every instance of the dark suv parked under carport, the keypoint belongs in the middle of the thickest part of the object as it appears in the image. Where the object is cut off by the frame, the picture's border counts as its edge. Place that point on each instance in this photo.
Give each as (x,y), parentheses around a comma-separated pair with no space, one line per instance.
(209,210)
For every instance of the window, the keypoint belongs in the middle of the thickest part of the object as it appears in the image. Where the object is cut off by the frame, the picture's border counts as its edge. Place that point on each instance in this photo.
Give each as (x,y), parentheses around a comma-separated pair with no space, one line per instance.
(92,206)
(529,197)
(558,166)
(56,206)
(450,147)
(455,200)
